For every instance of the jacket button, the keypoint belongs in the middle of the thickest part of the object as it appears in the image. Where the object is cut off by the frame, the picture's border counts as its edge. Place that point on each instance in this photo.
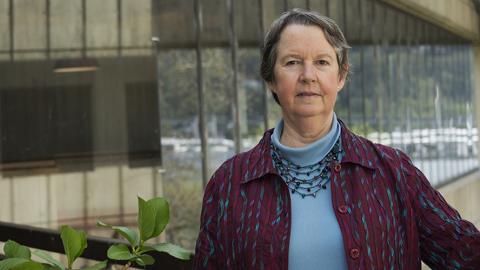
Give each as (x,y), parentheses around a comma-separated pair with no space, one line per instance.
(337,167)
(343,209)
(354,253)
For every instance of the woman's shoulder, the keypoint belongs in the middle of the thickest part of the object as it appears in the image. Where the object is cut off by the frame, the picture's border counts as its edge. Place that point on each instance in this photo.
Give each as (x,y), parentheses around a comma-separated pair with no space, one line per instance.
(364,147)
(385,154)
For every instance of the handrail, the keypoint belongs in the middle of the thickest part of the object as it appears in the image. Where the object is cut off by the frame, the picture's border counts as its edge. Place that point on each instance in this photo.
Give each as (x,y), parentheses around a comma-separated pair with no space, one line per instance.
(49,240)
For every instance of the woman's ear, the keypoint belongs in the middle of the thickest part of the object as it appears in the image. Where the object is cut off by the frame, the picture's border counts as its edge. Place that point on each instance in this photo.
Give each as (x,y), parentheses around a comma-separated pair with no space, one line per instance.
(345,70)
(343,76)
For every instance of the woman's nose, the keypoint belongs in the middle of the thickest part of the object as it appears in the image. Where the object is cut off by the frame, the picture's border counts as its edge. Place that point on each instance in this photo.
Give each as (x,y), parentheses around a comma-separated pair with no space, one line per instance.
(308,74)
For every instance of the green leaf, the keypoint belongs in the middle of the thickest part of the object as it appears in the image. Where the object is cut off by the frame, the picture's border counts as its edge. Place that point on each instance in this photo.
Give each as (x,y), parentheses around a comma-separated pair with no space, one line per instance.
(98,266)
(127,233)
(11,263)
(144,260)
(50,267)
(162,214)
(173,250)
(146,219)
(29,266)
(74,243)
(119,252)
(139,261)
(13,249)
(46,257)
(153,217)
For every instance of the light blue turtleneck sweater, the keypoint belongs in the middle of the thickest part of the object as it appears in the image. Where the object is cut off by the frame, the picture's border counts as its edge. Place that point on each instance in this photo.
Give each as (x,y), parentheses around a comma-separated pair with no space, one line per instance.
(315,238)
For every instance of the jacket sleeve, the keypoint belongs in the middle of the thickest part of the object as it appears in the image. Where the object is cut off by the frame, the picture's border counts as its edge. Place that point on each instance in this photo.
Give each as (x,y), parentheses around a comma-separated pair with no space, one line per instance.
(446,240)
(207,252)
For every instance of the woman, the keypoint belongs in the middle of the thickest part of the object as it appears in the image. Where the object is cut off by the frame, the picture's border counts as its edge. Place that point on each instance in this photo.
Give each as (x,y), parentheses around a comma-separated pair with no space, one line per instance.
(313,195)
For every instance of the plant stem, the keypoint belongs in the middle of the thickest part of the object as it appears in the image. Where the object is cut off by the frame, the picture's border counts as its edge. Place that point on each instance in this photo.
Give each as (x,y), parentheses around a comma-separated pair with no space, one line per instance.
(126,266)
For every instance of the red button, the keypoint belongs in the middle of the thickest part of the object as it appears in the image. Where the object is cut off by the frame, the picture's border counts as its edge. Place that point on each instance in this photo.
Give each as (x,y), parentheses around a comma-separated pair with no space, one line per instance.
(343,209)
(354,253)
(337,167)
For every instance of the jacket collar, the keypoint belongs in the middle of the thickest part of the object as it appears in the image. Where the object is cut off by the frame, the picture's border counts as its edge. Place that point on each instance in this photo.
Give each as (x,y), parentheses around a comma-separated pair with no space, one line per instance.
(357,151)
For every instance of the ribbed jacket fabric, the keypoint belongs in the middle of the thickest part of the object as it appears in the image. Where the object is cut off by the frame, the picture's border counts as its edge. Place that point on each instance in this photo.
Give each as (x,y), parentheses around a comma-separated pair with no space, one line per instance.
(389,215)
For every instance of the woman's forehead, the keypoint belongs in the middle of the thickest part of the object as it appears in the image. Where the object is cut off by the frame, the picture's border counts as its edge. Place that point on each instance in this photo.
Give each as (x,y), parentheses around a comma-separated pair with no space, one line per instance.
(299,39)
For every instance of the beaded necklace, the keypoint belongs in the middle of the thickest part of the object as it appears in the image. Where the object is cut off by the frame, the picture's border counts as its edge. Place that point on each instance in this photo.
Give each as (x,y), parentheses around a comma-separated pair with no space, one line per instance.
(316,175)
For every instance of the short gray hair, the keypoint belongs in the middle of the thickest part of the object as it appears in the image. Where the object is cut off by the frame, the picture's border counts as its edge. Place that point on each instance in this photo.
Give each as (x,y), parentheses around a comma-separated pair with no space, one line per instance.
(332,32)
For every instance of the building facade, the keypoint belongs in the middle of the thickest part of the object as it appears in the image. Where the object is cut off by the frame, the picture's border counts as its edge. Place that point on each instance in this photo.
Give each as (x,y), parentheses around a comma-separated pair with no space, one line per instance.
(101,101)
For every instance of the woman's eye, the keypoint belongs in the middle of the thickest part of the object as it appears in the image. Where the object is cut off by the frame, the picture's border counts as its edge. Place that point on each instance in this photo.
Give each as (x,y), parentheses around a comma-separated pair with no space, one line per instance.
(291,62)
(322,62)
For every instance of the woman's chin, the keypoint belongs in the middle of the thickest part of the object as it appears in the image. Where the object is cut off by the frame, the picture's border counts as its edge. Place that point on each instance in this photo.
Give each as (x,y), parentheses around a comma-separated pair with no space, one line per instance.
(309,113)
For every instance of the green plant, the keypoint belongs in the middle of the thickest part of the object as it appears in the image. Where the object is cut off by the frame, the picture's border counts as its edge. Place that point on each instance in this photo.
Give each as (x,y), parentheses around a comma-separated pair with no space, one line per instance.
(153,217)
(18,257)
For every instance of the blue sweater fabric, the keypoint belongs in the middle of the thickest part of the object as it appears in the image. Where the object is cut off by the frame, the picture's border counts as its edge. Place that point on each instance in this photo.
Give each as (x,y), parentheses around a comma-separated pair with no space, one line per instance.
(315,238)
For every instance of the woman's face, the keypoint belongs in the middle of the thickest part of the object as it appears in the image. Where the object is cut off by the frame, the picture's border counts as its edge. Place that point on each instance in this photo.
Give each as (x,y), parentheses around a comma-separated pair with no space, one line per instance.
(306,72)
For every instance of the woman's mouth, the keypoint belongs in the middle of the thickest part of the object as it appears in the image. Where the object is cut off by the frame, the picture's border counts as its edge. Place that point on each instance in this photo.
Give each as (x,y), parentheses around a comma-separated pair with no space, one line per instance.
(307,94)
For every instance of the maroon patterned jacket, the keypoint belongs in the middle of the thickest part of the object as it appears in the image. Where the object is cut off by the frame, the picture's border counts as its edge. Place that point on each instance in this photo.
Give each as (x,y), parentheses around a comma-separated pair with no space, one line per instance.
(389,215)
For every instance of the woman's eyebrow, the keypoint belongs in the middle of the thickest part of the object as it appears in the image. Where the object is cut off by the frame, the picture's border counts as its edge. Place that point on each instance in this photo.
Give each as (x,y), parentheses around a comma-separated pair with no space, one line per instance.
(290,55)
(293,55)
(324,55)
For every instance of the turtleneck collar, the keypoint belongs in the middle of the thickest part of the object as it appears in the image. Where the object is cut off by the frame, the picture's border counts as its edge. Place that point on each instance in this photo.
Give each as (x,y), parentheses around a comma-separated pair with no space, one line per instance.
(311,153)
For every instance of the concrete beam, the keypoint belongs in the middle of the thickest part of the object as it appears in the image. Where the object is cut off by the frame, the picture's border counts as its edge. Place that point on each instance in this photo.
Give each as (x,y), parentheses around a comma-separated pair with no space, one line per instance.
(457,16)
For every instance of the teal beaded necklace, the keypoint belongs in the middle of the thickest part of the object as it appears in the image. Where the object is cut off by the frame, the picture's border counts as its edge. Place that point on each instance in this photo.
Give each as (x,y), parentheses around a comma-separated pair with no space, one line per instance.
(315,176)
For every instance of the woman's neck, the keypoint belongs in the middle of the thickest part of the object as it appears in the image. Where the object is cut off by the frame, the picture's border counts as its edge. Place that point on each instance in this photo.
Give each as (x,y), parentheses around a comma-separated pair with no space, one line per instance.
(301,132)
